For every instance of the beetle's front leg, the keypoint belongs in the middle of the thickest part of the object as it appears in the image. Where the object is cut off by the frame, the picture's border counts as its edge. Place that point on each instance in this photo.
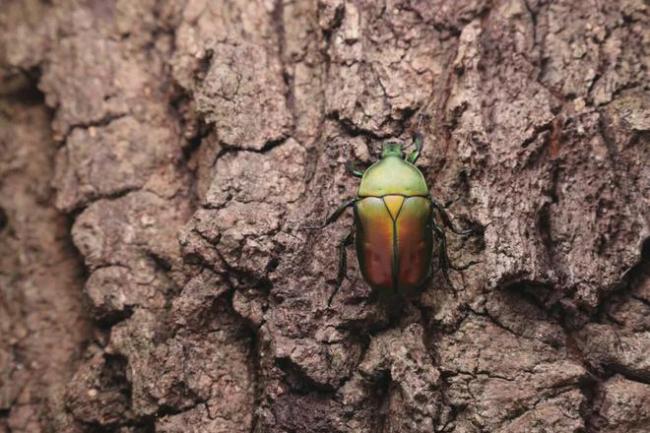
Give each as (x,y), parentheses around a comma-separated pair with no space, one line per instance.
(353,170)
(343,263)
(446,220)
(417,142)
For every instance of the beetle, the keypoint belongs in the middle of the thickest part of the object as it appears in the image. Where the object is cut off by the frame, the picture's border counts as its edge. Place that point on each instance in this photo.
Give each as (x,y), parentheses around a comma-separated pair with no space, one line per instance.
(394,224)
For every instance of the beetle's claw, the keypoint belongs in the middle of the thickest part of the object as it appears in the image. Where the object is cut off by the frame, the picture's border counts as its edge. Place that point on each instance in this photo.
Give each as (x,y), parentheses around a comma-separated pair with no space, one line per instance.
(312,227)
(463,267)
(445,274)
(334,292)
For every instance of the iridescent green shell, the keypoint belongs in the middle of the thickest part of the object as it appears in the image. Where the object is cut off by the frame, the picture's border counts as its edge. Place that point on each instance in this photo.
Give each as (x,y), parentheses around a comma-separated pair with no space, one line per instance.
(393,175)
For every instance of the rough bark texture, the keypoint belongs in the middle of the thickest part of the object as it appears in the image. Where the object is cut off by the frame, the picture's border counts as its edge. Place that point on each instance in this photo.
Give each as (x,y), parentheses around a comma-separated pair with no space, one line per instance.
(160,161)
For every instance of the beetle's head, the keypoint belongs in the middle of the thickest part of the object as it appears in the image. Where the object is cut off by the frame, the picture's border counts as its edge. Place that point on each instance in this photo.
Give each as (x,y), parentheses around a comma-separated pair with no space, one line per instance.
(392,148)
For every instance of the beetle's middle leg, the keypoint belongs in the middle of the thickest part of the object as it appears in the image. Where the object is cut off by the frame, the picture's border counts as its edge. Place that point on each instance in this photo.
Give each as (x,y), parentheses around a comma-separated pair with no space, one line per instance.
(339,210)
(333,216)
(343,263)
(443,257)
(447,220)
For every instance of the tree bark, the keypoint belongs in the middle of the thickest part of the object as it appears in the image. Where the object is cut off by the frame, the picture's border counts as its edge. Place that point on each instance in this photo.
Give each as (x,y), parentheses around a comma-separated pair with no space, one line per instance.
(162,162)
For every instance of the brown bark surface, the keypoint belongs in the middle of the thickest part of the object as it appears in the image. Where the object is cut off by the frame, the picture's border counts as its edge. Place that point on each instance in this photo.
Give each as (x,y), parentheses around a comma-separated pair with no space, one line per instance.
(160,161)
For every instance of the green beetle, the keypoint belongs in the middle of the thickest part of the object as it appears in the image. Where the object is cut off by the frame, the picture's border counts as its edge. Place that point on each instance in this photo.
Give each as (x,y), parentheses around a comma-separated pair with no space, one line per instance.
(394,224)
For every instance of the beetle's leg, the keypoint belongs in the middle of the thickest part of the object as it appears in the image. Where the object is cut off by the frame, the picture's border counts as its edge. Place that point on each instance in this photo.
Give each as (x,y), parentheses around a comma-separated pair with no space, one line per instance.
(443,257)
(343,263)
(463,267)
(446,220)
(332,217)
(339,210)
(353,170)
(417,141)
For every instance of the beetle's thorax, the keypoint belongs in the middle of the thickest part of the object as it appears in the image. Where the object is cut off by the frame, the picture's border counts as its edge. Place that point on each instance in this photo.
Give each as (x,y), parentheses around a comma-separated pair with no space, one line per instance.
(393,175)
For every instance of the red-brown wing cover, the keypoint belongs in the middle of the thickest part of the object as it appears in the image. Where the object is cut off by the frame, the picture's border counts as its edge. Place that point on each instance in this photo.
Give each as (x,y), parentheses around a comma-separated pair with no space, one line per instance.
(414,242)
(374,240)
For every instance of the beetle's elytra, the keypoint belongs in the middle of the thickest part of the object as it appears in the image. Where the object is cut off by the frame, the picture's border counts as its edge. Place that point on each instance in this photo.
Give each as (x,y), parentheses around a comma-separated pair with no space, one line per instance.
(394,224)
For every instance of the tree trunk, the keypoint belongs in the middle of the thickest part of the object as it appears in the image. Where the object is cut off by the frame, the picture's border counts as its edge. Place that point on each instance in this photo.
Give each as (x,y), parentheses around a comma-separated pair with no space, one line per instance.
(163,163)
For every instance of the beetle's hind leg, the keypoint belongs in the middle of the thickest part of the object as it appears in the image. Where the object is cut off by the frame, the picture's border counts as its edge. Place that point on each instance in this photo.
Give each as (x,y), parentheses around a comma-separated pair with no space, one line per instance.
(343,263)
